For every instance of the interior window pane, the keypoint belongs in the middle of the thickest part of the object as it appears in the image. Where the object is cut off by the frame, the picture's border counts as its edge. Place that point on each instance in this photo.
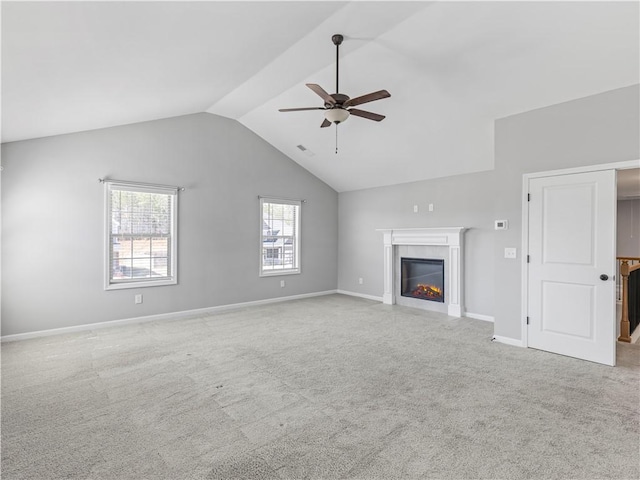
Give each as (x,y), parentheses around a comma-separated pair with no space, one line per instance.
(160,247)
(141,268)
(141,247)
(124,268)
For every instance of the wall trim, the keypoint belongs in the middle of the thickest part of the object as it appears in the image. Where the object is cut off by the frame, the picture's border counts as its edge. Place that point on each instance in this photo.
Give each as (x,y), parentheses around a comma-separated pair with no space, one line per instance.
(156,317)
(476,316)
(361,295)
(508,341)
(479,316)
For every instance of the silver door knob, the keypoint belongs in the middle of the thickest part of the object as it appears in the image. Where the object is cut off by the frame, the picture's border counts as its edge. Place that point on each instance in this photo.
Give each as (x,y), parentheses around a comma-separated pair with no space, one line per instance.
(604,277)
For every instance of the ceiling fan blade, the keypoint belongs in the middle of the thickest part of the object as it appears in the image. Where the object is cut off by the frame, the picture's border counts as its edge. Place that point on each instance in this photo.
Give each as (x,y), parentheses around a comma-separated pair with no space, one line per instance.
(364,114)
(326,123)
(299,109)
(369,97)
(320,91)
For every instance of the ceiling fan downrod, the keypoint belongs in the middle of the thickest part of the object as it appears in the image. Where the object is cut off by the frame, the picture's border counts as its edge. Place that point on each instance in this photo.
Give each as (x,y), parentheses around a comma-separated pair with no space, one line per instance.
(337,41)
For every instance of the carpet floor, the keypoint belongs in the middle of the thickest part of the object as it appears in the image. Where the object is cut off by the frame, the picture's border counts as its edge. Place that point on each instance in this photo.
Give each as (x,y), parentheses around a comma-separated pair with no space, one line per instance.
(330,387)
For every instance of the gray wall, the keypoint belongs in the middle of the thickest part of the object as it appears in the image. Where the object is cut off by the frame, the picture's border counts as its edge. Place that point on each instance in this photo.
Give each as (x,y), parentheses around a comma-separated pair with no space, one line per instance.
(599,129)
(53,220)
(628,229)
(52,212)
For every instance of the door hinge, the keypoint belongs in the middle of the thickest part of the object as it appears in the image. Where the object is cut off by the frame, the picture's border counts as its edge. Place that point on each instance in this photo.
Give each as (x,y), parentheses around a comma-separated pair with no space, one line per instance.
(528,258)
(528,197)
(527,320)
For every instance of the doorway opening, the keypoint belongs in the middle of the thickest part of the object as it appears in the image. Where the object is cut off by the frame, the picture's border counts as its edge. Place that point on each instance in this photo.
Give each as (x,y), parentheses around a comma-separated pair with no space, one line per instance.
(628,255)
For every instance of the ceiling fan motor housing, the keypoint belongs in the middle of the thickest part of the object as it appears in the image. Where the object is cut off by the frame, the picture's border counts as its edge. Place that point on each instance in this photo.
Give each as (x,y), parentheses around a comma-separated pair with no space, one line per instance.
(339,98)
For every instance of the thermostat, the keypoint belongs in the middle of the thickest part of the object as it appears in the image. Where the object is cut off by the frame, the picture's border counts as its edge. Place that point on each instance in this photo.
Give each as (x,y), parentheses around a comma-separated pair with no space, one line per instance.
(502,224)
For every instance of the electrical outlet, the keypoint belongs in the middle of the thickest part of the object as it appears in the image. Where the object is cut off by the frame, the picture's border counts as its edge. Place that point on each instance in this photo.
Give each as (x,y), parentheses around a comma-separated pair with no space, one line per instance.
(282,283)
(510,253)
(431,207)
(360,281)
(138,298)
(415,209)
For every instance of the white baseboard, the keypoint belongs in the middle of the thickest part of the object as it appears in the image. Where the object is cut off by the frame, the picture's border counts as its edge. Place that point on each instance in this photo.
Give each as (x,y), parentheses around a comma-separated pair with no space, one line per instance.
(160,316)
(361,295)
(479,316)
(508,341)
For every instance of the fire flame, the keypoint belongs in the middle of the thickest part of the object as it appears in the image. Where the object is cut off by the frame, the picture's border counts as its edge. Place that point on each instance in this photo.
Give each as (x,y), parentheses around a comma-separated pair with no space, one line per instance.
(428,290)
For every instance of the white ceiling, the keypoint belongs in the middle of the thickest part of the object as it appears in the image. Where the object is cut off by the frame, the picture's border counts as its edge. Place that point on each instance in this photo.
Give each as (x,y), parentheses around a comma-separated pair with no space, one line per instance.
(452,68)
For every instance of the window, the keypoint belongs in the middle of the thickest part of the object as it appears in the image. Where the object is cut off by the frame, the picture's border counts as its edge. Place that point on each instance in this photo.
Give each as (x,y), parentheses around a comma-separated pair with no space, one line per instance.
(141,235)
(279,237)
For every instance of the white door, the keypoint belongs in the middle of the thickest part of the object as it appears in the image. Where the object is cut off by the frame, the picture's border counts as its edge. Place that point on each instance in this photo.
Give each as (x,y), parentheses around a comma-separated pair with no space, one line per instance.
(571,304)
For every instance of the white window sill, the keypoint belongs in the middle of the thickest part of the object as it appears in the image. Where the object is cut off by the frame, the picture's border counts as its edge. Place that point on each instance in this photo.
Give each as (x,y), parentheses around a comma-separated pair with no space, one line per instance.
(141,284)
(279,273)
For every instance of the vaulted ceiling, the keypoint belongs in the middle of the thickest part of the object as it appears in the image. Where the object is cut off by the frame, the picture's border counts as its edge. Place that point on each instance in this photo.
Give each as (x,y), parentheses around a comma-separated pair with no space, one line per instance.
(452,68)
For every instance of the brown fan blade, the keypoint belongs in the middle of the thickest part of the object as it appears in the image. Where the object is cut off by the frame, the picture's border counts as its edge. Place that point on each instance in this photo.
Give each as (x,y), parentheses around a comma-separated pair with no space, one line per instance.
(326,123)
(320,91)
(369,97)
(367,115)
(299,109)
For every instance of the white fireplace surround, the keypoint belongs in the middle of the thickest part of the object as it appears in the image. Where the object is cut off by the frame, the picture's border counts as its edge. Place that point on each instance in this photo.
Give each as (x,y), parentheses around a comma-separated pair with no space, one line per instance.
(451,237)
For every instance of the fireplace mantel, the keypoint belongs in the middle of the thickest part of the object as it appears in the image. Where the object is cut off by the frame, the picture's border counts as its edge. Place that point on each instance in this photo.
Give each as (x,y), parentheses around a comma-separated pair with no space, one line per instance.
(451,237)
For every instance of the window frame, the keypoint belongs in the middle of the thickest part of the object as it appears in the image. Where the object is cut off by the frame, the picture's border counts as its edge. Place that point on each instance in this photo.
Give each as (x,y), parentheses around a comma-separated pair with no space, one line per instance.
(296,238)
(172,260)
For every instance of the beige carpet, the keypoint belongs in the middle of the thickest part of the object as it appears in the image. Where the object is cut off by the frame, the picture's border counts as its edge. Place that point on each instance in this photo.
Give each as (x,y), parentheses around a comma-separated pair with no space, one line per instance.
(324,388)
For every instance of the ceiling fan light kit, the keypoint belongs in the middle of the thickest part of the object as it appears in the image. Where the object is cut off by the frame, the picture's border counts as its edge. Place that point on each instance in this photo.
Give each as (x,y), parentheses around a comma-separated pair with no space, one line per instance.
(336,115)
(337,105)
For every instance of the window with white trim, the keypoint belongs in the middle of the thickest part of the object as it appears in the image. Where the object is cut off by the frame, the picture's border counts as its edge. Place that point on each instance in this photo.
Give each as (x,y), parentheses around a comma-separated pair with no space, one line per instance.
(141,243)
(279,236)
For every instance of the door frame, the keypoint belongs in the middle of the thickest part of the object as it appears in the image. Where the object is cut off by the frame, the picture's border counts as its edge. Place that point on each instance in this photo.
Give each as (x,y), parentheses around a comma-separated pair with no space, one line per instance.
(524,303)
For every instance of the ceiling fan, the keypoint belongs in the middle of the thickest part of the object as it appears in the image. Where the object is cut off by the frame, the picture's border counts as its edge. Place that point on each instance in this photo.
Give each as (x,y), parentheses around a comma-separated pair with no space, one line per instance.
(337,106)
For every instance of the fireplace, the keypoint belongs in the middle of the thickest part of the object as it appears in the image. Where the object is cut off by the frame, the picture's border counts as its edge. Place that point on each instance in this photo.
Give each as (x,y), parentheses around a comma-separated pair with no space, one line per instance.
(422,278)
(432,242)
